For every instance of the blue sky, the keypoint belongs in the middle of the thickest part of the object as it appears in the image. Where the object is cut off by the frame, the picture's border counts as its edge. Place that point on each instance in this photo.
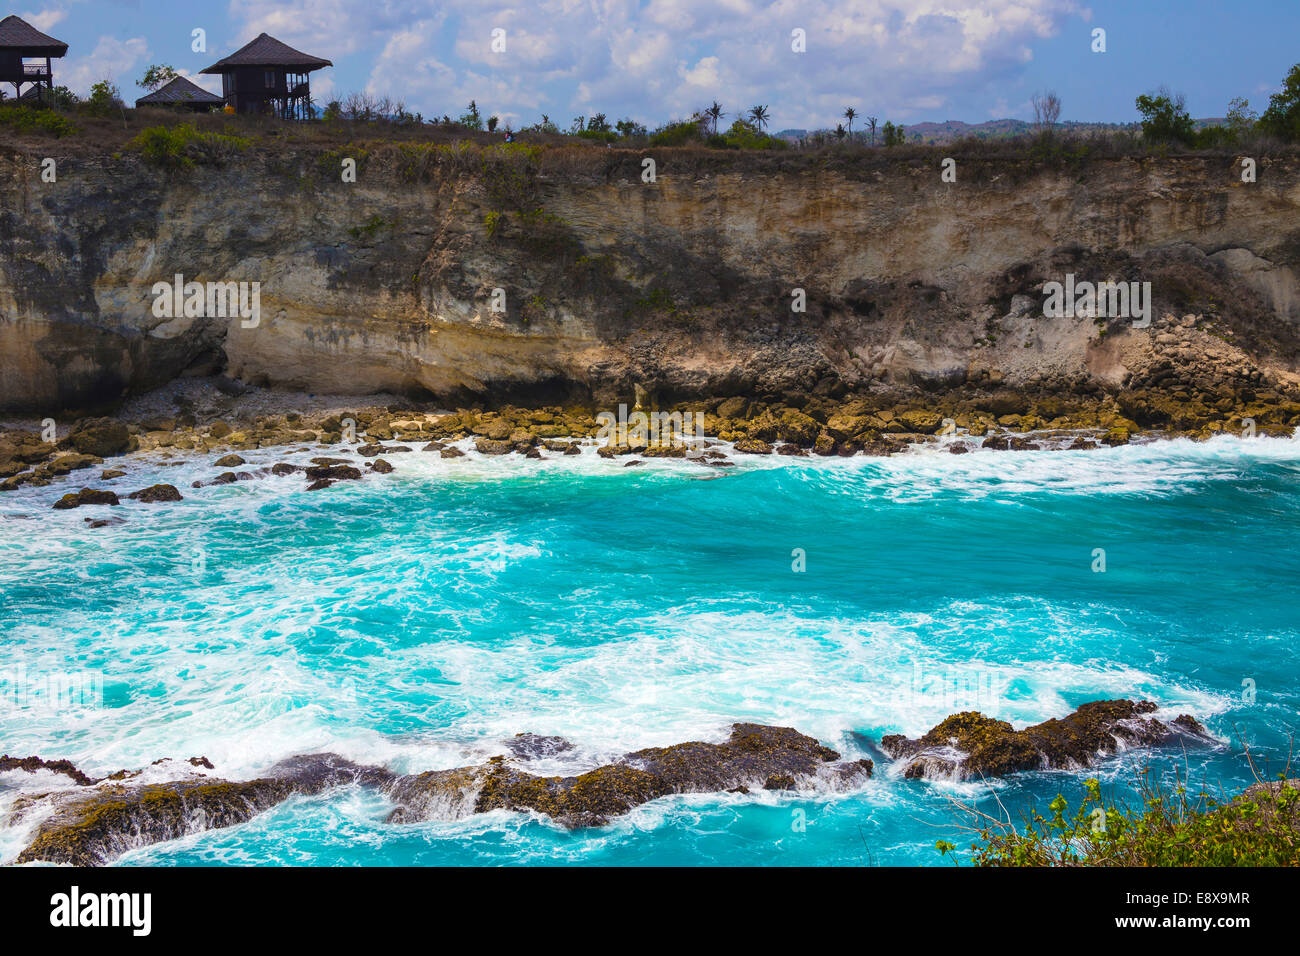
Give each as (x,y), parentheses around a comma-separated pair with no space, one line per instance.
(654,60)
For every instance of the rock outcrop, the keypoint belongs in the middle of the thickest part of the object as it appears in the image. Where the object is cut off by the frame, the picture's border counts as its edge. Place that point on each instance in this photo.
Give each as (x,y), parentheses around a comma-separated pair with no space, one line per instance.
(90,825)
(754,757)
(970,746)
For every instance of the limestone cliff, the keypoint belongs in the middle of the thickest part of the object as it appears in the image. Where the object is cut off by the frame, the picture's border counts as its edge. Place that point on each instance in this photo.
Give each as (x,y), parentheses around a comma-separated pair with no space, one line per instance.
(683,285)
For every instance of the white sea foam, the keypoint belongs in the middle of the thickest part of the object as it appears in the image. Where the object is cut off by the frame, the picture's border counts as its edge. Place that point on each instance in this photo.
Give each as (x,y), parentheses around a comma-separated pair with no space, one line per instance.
(226,667)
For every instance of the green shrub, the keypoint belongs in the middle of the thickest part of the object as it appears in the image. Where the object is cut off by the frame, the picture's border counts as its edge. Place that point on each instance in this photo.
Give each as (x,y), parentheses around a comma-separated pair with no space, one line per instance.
(1282,118)
(1258,828)
(677,134)
(182,146)
(30,119)
(1165,119)
(105,98)
(745,135)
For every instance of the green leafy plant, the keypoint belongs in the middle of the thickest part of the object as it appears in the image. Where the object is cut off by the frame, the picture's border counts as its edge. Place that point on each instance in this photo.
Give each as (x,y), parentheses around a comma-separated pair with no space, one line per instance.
(1165,118)
(1282,118)
(1171,828)
(24,119)
(159,74)
(103,100)
(182,146)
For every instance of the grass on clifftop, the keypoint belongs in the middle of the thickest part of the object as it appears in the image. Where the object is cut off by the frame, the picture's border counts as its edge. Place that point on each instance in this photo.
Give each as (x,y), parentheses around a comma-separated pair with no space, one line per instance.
(183,146)
(1259,827)
(170,138)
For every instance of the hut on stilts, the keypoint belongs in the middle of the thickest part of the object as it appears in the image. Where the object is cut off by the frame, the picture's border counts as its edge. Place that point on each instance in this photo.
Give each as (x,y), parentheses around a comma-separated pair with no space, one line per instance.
(20,42)
(270,77)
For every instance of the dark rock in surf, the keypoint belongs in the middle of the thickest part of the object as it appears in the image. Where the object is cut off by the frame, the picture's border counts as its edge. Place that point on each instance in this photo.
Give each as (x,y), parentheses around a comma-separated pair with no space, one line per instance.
(969,745)
(33,764)
(156,493)
(753,755)
(333,473)
(86,496)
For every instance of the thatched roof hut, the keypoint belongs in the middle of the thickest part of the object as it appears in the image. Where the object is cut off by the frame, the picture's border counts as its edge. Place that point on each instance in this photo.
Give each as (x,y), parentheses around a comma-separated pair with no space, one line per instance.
(182,93)
(267,76)
(20,41)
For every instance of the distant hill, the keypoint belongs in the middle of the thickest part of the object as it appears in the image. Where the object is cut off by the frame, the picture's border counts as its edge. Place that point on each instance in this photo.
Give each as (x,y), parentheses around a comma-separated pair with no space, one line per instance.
(950,130)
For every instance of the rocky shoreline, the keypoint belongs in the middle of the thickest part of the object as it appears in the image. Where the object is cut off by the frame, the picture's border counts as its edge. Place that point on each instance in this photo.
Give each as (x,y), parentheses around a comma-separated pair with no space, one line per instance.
(793,425)
(96,820)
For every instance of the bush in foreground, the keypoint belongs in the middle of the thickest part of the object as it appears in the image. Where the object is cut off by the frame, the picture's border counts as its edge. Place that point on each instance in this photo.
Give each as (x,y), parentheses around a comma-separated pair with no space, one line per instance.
(1259,827)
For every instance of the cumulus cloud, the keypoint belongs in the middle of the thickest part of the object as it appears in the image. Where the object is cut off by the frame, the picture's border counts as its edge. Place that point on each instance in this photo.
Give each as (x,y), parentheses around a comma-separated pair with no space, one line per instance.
(112,59)
(661,58)
(45,19)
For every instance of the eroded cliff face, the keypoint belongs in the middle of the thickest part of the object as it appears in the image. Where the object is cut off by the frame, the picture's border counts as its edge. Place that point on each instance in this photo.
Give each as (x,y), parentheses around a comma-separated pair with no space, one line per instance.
(683,285)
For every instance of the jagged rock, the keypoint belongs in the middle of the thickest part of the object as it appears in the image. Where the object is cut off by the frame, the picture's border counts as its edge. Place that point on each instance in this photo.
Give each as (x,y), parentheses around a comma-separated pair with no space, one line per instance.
(451,452)
(229,461)
(924,421)
(66,464)
(89,825)
(333,473)
(970,745)
(379,466)
(1008,443)
(156,493)
(101,437)
(752,756)
(370,450)
(492,446)
(32,764)
(320,484)
(110,473)
(284,468)
(92,826)
(752,446)
(733,407)
(86,496)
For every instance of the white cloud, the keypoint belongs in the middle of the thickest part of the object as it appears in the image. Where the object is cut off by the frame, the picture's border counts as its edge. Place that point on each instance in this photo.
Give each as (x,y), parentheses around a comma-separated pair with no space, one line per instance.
(664,58)
(112,59)
(45,19)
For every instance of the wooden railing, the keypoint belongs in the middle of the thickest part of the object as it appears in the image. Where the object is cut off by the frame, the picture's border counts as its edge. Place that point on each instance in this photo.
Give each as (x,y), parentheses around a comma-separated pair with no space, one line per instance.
(30,72)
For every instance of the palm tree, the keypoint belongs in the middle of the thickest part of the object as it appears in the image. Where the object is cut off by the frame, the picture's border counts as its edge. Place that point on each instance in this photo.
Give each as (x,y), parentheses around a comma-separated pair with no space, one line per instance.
(871,121)
(758,115)
(848,115)
(715,113)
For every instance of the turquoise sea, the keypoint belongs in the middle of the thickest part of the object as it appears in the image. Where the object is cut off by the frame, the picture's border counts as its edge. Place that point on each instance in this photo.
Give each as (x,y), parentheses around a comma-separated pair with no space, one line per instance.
(420,618)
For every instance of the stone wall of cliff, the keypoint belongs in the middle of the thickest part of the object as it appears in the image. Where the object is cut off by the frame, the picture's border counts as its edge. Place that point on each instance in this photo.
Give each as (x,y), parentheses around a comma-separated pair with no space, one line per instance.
(683,285)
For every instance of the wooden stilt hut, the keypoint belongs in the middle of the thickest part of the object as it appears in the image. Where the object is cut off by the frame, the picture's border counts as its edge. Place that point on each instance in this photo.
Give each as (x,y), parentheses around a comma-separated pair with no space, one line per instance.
(20,42)
(268,76)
